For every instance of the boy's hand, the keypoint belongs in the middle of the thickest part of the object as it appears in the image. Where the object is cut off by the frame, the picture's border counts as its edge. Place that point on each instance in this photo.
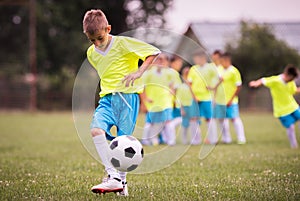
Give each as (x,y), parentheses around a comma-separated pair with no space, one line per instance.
(229,103)
(129,79)
(255,83)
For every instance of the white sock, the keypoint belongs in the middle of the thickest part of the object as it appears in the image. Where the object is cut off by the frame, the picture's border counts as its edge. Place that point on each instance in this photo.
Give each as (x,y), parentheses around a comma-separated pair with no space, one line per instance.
(154,130)
(239,129)
(195,132)
(145,139)
(212,131)
(225,128)
(164,135)
(103,152)
(226,136)
(169,133)
(175,122)
(292,136)
(123,176)
(184,135)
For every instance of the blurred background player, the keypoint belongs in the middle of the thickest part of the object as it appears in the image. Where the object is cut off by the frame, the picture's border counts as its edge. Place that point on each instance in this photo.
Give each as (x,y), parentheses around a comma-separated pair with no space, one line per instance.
(201,77)
(175,67)
(216,60)
(285,107)
(158,98)
(189,110)
(115,59)
(227,103)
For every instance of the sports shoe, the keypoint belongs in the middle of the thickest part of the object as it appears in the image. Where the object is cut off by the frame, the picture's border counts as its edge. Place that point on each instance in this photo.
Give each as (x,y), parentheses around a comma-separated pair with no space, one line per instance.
(125,190)
(108,185)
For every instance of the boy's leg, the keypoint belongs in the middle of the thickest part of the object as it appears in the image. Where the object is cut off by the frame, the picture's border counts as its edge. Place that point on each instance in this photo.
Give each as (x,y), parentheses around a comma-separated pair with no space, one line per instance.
(212,134)
(292,136)
(170,133)
(288,122)
(195,132)
(226,137)
(124,183)
(154,130)
(103,151)
(239,129)
(145,140)
(220,115)
(233,113)
(207,113)
(101,124)
(175,122)
(185,126)
(113,182)
(225,128)
(184,132)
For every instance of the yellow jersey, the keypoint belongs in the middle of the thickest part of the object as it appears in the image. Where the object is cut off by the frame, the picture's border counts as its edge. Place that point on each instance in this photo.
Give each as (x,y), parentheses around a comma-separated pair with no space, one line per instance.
(184,96)
(231,80)
(200,78)
(158,82)
(118,60)
(282,93)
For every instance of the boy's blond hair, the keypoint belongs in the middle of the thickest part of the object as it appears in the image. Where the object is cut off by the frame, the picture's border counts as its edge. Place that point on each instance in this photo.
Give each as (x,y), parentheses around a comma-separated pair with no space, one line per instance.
(94,20)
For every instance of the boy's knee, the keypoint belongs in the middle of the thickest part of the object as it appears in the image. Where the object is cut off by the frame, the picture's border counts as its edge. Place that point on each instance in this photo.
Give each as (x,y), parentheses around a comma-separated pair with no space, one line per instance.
(97,131)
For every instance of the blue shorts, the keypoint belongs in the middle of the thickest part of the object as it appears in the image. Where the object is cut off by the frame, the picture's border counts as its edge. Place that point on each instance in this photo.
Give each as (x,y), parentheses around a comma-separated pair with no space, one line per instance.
(205,109)
(223,111)
(158,117)
(176,112)
(290,119)
(191,111)
(114,111)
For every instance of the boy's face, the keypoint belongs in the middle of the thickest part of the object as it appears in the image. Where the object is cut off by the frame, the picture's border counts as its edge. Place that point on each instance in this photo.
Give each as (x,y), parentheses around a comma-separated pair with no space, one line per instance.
(215,58)
(200,59)
(100,38)
(162,61)
(225,62)
(288,78)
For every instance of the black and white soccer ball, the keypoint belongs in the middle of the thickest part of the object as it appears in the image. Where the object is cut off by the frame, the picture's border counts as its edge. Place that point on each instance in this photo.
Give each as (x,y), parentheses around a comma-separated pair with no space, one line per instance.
(126,153)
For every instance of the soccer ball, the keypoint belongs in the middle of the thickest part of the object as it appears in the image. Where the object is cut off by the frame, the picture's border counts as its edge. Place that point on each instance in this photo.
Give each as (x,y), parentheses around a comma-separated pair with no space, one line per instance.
(126,153)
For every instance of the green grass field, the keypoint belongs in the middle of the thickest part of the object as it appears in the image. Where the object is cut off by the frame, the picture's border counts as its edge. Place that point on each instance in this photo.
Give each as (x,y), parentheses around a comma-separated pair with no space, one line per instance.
(42,158)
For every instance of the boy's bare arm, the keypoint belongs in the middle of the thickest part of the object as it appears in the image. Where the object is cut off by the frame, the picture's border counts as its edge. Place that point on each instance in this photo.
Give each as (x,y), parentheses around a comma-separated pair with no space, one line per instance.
(129,79)
(256,83)
(236,93)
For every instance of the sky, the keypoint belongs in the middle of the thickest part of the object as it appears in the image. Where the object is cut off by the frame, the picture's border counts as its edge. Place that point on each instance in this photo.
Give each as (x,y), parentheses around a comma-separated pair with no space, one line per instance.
(183,12)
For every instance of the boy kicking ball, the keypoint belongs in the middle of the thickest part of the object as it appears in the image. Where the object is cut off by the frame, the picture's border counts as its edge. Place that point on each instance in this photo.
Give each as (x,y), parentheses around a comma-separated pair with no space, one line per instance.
(115,59)
(285,107)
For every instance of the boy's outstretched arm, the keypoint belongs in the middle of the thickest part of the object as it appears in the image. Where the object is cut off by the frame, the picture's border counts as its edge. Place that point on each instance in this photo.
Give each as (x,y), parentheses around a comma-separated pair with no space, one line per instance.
(129,79)
(256,83)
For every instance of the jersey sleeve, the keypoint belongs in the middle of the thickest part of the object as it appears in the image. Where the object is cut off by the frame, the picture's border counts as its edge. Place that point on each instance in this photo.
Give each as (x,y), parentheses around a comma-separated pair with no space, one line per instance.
(190,76)
(175,78)
(89,55)
(237,78)
(141,49)
(269,81)
(293,87)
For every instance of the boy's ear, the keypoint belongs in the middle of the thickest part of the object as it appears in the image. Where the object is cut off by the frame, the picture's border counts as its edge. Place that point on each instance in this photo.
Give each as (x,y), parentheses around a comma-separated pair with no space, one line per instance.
(108,28)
